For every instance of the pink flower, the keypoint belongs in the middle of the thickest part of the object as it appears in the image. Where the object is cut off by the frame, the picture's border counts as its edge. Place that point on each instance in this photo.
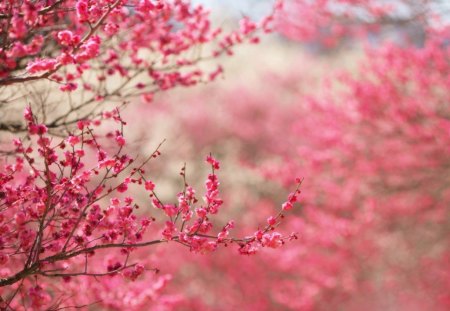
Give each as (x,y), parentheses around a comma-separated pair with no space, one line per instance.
(272,240)
(68,87)
(271,220)
(73,140)
(41,65)
(37,129)
(123,187)
(66,37)
(149,185)
(147,98)
(169,230)
(28,114)
(111,28)
(214,163)
(82,10)
(286,206)
(120,140)
(170,210)
(65,59)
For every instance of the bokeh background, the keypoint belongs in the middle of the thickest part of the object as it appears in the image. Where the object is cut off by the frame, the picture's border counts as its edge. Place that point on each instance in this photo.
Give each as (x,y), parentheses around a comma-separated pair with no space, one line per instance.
(364,120)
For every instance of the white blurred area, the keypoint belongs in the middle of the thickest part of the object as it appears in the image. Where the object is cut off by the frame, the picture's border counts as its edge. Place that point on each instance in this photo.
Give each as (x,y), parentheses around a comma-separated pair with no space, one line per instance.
(237,8)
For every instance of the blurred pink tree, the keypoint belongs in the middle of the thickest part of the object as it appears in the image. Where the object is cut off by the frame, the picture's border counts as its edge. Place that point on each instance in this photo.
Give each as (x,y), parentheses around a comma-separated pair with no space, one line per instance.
(373,148)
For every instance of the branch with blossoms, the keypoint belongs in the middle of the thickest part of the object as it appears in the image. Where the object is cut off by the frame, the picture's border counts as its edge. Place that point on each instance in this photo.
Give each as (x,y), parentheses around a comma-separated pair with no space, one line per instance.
(107,51)
(54,209)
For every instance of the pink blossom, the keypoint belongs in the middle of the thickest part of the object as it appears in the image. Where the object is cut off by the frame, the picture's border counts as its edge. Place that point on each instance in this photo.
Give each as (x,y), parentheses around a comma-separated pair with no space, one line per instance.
(120,140)
(67,38)
(111,28)
(73,140)
(123,187)
(28,114)
(214,163)
(82,10)
(68,87)
(287,206)
(271,220)
(149,185)
(41,65)
(272,240)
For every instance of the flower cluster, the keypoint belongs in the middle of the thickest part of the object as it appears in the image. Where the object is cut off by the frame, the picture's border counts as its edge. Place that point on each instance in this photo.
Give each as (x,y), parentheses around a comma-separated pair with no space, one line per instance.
(67,200)
(64,40)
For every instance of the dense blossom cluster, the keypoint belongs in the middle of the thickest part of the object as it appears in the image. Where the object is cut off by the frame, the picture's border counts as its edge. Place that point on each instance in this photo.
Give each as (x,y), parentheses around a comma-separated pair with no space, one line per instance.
(107,51)
(54,212)
(60,40)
